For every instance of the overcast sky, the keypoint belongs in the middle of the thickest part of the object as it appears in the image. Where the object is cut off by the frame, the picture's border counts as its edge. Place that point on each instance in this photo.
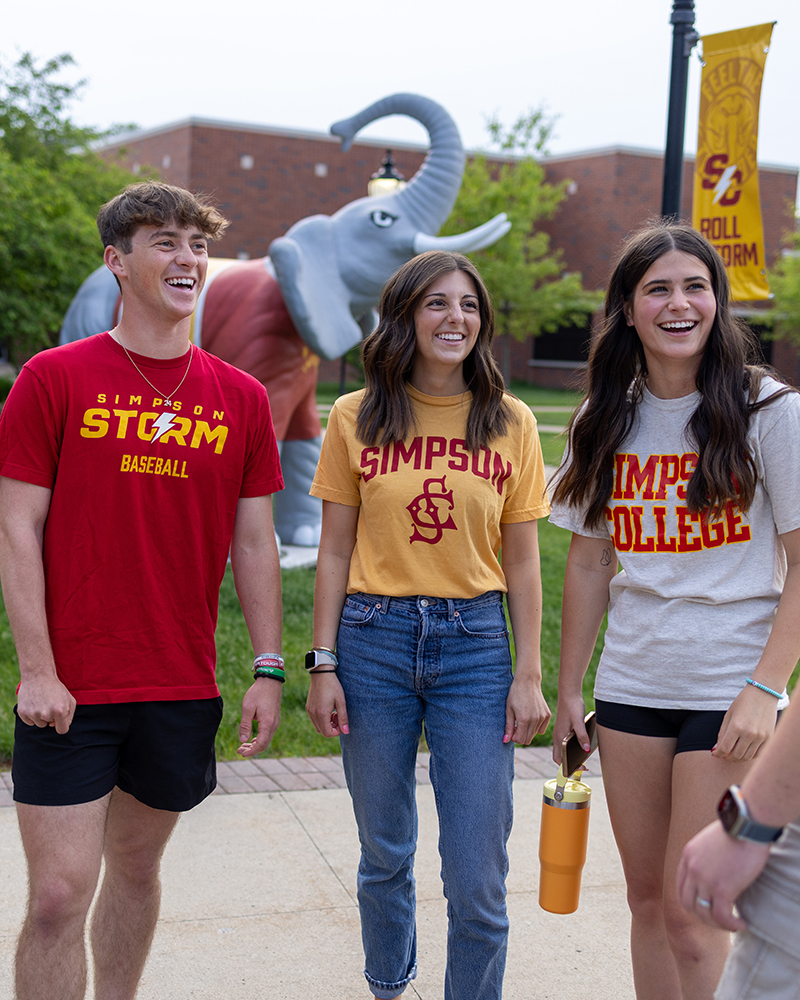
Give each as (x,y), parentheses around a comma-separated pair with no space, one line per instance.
(602,67)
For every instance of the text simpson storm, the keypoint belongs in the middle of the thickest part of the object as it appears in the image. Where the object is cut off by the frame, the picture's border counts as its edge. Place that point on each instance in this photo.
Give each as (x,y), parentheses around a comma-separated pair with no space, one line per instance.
(155,427)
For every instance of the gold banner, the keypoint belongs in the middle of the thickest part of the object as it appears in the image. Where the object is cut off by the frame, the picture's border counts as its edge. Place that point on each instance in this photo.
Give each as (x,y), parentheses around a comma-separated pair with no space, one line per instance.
(726,207)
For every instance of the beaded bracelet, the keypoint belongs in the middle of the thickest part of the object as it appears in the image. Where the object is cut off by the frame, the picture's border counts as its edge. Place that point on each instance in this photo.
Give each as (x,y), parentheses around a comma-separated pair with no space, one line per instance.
(275,672)
(763,687)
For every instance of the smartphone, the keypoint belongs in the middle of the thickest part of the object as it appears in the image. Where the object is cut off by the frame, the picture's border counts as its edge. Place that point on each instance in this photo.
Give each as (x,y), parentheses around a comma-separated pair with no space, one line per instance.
(572,753)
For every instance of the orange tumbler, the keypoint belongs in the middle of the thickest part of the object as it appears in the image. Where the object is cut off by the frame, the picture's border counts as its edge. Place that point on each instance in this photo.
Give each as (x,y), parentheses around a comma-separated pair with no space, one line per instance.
(562,843)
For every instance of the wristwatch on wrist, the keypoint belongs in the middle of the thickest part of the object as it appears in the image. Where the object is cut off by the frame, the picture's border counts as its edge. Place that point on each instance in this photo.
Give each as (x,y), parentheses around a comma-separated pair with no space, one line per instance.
(319,657)
(733,814)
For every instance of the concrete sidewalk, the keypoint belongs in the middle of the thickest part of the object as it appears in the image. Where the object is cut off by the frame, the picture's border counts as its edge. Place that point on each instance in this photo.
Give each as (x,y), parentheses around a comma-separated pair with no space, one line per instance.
(259,895)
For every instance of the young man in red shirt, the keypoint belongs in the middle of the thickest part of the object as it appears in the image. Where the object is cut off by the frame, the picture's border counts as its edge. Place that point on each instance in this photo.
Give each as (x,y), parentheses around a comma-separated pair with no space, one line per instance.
(131,463)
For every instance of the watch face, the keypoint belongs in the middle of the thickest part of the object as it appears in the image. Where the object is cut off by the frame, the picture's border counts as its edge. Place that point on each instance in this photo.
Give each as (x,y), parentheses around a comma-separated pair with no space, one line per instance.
(732,811)
(311,660)
(728,810)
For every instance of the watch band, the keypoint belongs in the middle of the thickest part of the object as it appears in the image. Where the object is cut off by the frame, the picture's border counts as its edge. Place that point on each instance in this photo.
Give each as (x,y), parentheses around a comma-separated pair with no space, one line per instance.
(737,822)
(319,656)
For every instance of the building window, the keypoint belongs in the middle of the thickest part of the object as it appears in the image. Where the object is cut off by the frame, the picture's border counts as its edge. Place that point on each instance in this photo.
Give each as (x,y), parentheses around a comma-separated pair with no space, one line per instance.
(567,343)
(136,168)
(320,169)
(166,161)
(246,161)
(242,255)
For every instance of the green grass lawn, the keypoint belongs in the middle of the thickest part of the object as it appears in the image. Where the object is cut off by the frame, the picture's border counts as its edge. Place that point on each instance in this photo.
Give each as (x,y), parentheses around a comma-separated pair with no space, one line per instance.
(552,443)
(296,736)
(533,395)
(552,447)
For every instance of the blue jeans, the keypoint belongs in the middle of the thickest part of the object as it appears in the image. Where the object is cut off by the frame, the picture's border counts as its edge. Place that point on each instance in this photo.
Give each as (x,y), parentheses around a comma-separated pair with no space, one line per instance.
(447,662)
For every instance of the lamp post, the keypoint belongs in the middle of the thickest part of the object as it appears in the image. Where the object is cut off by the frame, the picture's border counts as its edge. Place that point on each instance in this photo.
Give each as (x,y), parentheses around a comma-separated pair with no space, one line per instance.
(384,181)
(387,179)
(684,39)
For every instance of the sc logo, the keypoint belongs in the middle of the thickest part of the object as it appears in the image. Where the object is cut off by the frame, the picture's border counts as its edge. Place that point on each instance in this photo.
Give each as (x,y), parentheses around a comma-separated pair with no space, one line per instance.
(720,178)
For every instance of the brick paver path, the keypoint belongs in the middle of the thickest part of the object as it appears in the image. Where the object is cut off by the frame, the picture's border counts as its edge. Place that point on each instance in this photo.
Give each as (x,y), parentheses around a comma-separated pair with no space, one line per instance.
(294,774)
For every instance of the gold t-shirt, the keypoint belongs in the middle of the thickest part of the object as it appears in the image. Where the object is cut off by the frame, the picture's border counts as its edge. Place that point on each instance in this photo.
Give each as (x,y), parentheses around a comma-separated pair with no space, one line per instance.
(430,511)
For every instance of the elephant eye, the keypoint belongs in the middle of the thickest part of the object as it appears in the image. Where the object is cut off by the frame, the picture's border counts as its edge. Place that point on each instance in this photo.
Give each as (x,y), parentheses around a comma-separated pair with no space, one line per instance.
(383,219)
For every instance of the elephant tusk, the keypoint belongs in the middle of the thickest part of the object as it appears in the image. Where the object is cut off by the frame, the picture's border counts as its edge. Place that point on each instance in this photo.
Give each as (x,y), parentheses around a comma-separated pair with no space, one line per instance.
(476,239)
(491,237)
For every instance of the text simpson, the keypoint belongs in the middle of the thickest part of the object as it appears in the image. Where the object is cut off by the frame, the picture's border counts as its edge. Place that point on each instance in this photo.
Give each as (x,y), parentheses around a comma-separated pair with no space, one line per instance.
(421,453)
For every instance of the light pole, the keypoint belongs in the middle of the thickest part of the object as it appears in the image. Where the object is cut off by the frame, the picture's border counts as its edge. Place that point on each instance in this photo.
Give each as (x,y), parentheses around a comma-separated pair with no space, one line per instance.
(387,179)
(384,181)
(684,39)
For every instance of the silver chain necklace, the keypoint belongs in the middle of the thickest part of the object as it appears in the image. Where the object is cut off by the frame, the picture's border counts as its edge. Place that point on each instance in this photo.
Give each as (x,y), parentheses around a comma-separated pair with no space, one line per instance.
(167,400)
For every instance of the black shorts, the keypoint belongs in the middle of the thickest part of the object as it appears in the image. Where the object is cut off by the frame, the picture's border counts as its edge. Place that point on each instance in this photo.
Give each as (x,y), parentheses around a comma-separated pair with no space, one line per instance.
(693,730)
(161,752)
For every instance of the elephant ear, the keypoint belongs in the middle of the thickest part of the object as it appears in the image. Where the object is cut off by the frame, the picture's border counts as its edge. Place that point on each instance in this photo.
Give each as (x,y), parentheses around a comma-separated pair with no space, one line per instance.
(307,270)
(92,309)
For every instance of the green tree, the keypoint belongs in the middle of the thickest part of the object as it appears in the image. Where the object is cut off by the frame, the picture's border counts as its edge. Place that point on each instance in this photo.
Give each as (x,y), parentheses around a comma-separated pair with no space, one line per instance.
(784,283)
(51,186)
(525,276)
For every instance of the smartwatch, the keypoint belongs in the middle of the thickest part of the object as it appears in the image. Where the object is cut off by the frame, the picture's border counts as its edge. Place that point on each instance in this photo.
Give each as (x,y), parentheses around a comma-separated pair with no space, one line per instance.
(320,657)
(733,814)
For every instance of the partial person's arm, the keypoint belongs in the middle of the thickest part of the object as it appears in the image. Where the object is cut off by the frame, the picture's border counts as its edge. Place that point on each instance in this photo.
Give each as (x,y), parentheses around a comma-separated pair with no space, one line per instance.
(717,868)
(42,699)
(750,721)
(326,703)
(527,712)
(257,575)
(591,566)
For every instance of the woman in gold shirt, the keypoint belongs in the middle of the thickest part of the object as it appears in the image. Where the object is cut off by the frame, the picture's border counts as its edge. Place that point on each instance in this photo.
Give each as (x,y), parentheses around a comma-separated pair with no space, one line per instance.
(424,475)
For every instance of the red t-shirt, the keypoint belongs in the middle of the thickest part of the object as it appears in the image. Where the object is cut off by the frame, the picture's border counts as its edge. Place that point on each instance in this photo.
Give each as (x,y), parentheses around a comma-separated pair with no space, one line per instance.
(142,509)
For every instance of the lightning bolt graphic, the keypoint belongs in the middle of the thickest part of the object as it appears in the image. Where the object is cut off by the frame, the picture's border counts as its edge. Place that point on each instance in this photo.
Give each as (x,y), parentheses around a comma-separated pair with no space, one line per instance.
(162,425)
(723,183)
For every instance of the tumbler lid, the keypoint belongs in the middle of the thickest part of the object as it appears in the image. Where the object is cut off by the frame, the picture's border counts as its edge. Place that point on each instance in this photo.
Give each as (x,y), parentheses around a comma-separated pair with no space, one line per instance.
(576,794)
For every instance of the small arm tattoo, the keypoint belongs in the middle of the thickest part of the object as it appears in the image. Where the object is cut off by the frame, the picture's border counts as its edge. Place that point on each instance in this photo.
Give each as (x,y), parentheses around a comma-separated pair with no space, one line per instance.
(605,558)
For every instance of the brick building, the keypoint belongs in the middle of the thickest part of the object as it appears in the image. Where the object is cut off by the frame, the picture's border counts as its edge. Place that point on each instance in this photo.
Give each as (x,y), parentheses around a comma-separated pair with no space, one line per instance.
(266,179)
(613,191)
(263,179)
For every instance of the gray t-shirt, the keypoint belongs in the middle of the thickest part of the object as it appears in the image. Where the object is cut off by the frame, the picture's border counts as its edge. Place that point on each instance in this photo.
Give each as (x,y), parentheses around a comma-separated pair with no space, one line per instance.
(692,608)
(771,905)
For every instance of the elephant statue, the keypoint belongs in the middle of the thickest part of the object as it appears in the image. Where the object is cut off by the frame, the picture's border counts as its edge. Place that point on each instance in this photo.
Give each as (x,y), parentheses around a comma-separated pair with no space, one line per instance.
(314,295)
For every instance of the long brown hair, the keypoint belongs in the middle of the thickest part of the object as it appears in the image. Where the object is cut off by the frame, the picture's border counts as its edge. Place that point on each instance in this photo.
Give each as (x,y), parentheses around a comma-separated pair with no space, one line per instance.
(727,379)
(386,413)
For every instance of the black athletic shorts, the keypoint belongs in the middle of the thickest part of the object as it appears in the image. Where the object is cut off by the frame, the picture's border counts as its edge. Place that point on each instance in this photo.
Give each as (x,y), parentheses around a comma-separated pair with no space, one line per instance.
(161,752)
(693,730)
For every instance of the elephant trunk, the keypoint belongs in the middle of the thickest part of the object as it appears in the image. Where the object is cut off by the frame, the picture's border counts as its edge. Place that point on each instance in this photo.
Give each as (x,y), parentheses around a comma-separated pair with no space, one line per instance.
(429,197)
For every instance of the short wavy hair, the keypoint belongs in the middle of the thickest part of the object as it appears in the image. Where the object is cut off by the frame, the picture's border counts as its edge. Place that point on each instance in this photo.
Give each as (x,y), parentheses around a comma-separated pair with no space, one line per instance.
(151,203)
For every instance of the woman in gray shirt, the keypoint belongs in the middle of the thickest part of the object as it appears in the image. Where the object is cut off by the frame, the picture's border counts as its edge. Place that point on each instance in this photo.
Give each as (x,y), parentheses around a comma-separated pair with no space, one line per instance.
(683,468)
